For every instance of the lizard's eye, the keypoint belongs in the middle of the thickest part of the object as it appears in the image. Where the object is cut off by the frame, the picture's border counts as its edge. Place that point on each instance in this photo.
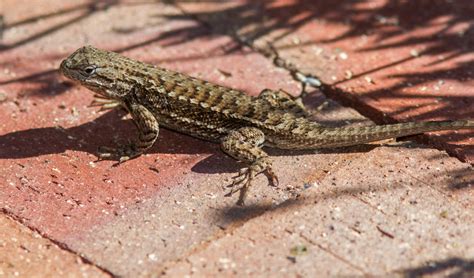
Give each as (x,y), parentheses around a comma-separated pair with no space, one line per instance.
(89,70)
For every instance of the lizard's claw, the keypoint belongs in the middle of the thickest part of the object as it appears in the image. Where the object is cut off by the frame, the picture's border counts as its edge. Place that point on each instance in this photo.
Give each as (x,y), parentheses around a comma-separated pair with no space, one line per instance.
(272,177)
(122,153)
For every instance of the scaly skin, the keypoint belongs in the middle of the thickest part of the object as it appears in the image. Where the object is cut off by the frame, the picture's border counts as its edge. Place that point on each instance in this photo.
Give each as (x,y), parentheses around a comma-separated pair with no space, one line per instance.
(240,123)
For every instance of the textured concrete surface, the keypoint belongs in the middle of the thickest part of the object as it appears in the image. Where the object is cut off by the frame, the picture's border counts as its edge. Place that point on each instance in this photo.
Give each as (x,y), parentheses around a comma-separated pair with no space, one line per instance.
(24,253)
(398,208)
(352,222)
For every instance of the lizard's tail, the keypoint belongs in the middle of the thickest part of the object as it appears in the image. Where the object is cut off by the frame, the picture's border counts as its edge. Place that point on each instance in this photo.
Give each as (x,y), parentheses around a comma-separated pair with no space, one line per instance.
(350,136)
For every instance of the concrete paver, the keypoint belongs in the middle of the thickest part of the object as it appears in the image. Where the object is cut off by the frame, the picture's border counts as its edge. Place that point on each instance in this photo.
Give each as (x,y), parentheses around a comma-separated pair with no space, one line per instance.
(351,222)
(24,253)
(402,208)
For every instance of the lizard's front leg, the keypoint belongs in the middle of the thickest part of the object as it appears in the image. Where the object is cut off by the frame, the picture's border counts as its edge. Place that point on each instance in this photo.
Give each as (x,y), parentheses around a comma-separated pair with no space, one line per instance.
(104,103)
(244,145)
(148,128)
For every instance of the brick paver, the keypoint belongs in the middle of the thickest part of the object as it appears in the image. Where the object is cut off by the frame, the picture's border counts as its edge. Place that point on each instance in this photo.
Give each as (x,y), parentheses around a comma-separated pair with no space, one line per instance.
(24,253)
(353,222)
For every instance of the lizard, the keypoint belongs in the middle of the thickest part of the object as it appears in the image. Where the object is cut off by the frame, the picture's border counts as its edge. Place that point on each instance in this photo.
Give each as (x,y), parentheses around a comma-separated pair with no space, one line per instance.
(240,123)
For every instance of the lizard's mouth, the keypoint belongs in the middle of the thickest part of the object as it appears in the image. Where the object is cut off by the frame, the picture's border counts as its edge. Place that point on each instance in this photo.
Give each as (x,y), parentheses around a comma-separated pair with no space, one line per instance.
(68,71)
(64,68)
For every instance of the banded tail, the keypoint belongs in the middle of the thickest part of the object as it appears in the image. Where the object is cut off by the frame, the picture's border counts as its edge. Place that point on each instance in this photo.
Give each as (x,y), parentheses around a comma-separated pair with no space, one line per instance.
(350,136)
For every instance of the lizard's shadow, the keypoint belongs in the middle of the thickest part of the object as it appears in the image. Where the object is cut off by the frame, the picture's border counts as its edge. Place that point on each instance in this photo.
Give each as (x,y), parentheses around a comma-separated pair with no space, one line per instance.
(217,162)
(108,128)
(87,137)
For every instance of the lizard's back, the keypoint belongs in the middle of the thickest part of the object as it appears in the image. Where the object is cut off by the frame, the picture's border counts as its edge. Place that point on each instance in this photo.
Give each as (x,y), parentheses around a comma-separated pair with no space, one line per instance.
(208,110)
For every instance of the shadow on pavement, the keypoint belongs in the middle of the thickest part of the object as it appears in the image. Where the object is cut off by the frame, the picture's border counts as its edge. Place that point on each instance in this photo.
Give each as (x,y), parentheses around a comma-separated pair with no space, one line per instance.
(455,267)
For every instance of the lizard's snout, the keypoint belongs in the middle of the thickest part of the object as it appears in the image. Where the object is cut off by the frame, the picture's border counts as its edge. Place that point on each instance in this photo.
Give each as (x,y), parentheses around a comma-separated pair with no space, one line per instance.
(65,69)
(64,65)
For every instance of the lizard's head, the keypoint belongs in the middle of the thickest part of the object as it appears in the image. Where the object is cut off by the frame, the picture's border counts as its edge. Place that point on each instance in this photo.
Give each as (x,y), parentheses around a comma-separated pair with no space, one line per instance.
(95,69)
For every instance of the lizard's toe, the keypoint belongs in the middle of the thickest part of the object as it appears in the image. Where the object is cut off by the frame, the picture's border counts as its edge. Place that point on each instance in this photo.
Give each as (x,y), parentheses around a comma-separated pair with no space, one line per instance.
(122,153)
(106,152)
(241,176)
(272,177)
(239,181)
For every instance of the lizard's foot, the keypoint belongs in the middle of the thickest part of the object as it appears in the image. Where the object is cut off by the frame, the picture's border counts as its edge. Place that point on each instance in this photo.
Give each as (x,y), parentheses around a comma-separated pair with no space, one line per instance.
(243,180)
(122,153)
(241,183)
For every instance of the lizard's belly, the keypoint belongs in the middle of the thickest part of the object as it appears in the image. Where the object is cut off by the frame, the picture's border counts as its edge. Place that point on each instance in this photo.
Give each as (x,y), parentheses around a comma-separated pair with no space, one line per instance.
(194,120)
(207,129)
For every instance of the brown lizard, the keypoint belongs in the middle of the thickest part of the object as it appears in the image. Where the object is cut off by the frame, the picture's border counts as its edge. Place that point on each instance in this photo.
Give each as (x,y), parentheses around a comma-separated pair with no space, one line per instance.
(241,124)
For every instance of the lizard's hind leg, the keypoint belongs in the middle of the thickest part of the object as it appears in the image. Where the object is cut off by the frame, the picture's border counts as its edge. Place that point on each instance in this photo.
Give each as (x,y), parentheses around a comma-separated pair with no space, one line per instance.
(283,101)
(244,145)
